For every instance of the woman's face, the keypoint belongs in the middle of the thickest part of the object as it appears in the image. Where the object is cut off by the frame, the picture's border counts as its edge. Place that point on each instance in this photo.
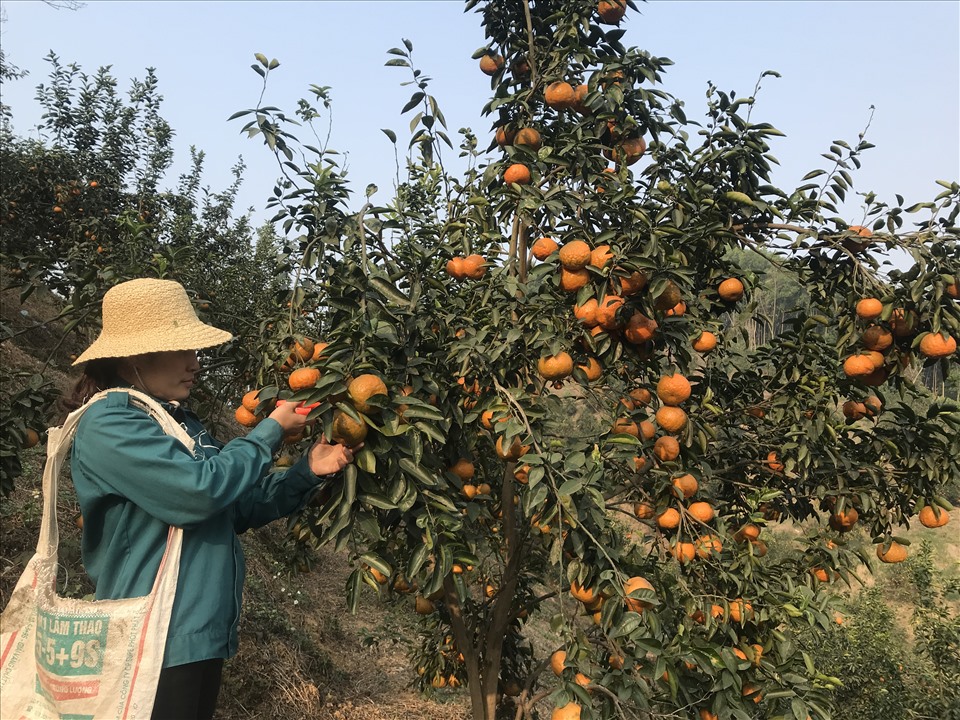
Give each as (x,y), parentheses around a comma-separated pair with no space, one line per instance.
(165,375)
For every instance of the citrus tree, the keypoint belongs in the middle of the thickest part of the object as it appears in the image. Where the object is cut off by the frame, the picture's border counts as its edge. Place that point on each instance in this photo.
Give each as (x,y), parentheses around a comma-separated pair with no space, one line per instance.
(547,359)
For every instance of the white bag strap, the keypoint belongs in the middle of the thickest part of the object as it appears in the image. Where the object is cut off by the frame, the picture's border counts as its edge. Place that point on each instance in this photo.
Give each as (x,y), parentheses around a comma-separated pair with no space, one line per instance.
(59,441)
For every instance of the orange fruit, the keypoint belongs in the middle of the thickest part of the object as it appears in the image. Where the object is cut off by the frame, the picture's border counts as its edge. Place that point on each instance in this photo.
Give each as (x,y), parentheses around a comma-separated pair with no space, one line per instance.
(528,136)
(579,104)
(739,610)
(346,430)
(876,338)
(575,255)
(607,311)
(573,280)
(641,396)
(872,406)
(611,11)
(585,595)
(705,714)
(935,345)
(857,366)
(773,462)
(463,469)
(555,367)
(557,661)
(517,173)
(504,136)
(601,256)
(752,692)
(844,520)
(491,64)
(952,290)
(364,387)
(666,448)
(626,152)
(625,426)
(820,574)
(455,268)
(631,585)
(673,389)
(31,438)
(318,349)
(570,711)
(854,410)
(705,342)
(251,400)
(730,290)
(904,323)
(708,545)
(469,491)
(559,95)
(633,283)
(678,310)
(701,511)
(302,351)
(894,554)
(643,510)
(544,247)
(933,517)
(647,430)
(684,552)
(244,417)
(587,313)
(303,378)
(514,452)
(669,519)
(639,329)
(592,370)
(857,246)
(671,419)
(474,266)
(869,309)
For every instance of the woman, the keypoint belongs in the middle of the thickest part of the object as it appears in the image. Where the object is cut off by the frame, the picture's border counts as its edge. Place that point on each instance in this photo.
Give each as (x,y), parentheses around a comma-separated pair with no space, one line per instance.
(133,481)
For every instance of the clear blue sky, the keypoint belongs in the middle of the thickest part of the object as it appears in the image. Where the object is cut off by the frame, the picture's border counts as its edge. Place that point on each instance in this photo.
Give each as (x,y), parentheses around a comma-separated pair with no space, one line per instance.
(836,60)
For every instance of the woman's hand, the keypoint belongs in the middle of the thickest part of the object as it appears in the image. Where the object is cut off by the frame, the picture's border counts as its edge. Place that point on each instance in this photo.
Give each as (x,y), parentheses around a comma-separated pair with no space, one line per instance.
(326,459)
(290,420)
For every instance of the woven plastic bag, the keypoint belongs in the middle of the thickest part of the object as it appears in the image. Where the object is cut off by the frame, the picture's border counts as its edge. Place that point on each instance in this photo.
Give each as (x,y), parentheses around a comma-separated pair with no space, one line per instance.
(78,659)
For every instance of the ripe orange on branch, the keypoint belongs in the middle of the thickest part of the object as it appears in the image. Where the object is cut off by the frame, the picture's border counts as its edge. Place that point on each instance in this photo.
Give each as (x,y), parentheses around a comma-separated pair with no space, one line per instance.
(611,11)
(303,378)
(671,419)
(556,367)
(491,64)
(528,136)
(895,553)
(544,247)
(730,290)
(575,255)
(559,95)
(935,345)
(364,387)
(932,516)
(869,308)
(348,431)
(705,342)
(517,173)
(673,389)
(632,585)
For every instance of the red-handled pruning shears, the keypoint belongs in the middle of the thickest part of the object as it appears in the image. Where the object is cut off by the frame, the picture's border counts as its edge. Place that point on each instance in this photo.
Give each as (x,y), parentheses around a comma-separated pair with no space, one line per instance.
(301,408)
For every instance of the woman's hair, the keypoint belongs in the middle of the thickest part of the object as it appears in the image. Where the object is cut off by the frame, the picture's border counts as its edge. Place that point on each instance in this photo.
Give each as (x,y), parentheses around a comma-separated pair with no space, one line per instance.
(97,375)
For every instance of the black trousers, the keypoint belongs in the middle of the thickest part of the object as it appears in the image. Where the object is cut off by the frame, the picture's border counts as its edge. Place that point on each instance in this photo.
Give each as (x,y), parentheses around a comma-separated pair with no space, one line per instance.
(188,692)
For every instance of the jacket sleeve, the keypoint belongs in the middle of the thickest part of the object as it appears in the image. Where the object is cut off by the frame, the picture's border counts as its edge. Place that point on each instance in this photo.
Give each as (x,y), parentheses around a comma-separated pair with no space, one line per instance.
(124,451)
(277,495)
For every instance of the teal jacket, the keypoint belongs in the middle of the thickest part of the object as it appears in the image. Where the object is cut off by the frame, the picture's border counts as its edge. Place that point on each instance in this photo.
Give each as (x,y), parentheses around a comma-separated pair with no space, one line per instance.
(133,481)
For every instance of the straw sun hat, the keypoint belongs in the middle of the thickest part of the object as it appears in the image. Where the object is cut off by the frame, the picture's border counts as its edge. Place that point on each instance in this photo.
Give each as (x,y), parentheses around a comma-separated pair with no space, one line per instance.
(146,315)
